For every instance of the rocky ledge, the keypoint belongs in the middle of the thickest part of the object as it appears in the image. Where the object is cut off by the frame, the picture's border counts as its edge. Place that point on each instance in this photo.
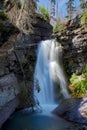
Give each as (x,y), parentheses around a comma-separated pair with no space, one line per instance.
(73,109)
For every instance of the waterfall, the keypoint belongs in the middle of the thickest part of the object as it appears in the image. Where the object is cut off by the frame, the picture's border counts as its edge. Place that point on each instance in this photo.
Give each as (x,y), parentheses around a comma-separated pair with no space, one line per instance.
(47,70)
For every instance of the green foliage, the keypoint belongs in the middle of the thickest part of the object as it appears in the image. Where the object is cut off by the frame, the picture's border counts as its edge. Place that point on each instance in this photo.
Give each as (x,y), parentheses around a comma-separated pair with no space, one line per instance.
(84,18)
(74,79)
(83,5)
(78,84)
(85,72)
(3,15)
(58,27)
(44,12)
(81,87)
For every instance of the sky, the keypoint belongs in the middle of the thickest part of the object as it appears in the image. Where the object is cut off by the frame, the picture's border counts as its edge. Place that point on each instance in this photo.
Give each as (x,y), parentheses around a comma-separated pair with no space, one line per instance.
(61,6)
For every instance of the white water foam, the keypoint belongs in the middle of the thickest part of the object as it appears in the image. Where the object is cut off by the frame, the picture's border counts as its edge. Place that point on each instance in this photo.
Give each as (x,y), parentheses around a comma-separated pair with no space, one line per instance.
(47,70)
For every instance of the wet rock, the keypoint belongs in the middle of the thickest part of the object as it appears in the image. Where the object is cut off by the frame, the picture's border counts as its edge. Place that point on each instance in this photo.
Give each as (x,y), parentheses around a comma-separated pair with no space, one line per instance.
(79,112)
(3,63)
(7,110)
(8,88)
(73,109)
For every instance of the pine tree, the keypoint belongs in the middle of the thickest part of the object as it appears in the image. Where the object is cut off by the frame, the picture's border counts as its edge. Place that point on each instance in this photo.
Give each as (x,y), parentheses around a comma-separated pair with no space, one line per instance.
(52,7)
(83,5)
(70,8)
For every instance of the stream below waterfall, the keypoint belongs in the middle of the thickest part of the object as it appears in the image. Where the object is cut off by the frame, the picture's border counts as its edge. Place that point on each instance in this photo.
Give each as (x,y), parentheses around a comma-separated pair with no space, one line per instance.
(26,120)
(48,76)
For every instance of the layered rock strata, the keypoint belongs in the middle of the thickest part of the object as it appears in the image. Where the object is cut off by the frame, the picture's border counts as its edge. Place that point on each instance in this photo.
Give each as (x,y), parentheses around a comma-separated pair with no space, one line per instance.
(74,41)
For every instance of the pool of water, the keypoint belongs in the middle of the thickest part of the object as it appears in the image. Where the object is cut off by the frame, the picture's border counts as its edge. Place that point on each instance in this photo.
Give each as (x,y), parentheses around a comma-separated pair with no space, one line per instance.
(27,120)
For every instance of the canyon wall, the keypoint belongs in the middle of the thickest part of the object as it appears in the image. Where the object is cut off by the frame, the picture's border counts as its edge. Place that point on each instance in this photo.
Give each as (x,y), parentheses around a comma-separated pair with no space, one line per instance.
(19,38)
(74,42)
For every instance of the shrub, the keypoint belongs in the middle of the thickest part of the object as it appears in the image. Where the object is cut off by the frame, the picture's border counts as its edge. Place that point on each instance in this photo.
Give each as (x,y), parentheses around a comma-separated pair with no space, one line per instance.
(83,5)
(78,84)
(58,27)
(84,18)
(85,72)
(44,12)
(3,15)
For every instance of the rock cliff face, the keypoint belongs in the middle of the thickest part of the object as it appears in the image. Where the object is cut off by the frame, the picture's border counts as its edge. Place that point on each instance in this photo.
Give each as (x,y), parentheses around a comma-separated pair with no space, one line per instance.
(18,45)
(19,38)
(74,41)
(32,26)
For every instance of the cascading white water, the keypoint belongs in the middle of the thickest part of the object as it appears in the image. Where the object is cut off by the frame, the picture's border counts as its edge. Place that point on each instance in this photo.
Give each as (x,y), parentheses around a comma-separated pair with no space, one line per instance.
(47,70)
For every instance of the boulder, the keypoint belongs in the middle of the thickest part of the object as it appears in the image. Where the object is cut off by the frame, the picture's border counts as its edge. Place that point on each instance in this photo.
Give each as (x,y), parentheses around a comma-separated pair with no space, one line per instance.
(9,88)
(73,109)
(7,110)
